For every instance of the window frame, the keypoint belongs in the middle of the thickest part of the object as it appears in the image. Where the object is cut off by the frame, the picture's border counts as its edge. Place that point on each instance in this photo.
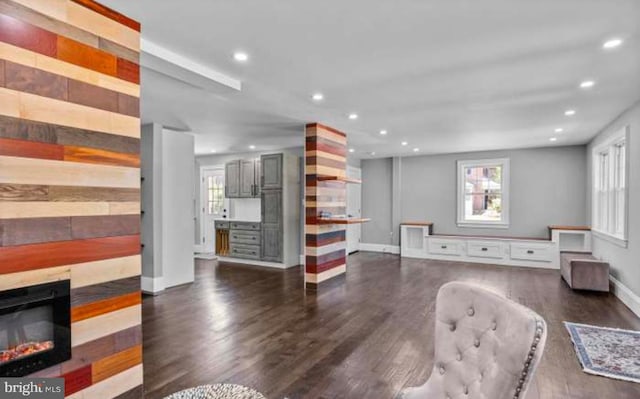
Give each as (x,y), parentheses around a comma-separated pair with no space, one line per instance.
(462,165)
(607,184)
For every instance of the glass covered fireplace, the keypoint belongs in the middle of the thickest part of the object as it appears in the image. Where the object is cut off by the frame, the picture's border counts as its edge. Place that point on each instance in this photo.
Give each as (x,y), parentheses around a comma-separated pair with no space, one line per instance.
(35,328)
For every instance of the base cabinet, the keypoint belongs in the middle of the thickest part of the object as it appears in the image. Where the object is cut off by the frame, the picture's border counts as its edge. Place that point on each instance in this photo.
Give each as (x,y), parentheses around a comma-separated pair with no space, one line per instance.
(419,243)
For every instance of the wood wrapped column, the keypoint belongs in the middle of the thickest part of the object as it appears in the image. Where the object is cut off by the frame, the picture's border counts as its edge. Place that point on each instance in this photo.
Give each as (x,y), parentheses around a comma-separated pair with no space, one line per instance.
(70,180)
(325,244)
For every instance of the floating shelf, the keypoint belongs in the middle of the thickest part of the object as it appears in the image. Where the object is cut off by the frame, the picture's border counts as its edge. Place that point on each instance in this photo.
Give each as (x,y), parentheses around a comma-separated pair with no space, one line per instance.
(342,220)
(342,179)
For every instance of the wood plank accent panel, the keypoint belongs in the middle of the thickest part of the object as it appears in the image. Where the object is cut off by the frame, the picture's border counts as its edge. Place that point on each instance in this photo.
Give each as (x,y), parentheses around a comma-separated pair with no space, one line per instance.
(105,324)
(106,290)
(116,363)
(21,129)
(325,245)
(33,17)
(114,386)
(40,109)
(37,171)
(101,307)
(40,256)
(26,57)
(70,179)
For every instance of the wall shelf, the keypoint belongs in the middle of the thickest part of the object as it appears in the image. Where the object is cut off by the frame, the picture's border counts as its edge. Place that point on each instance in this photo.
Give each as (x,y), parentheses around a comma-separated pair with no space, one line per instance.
(342,220)
(342,179)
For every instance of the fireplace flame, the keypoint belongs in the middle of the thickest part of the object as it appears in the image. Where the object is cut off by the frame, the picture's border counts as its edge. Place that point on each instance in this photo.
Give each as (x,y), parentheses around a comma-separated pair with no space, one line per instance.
(24,350)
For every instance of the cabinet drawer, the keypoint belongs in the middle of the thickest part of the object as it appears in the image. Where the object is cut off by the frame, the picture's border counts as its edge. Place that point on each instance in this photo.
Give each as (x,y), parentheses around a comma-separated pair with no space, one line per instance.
(485,249)
(245,237)
(244,251)
(245,226)
(442,246)
(221,225)
(535,252)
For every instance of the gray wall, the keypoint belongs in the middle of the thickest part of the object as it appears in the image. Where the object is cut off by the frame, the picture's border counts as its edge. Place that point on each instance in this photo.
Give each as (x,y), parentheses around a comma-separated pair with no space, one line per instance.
(546,187)
(625,262)
(151,166)
(376,200)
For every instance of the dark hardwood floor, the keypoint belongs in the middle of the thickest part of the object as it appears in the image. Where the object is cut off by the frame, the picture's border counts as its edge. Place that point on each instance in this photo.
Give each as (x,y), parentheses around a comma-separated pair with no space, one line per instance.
(367,337)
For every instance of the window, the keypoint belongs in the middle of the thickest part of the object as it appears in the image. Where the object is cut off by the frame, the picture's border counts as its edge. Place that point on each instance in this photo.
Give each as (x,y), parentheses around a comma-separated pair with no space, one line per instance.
(215,195)
(483,193)
(609,210)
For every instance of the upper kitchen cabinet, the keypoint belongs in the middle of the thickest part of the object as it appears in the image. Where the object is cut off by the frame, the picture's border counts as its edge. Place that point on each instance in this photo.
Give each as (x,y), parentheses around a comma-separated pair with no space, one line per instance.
(232,179)
(241,179)
(271,171)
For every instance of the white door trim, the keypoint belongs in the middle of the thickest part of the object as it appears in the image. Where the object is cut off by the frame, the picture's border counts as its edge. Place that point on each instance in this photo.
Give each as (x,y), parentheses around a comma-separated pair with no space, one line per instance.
(203,200)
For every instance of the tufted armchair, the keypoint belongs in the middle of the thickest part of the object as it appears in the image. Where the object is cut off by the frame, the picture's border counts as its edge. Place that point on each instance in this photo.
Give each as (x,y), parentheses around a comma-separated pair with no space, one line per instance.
(486,346)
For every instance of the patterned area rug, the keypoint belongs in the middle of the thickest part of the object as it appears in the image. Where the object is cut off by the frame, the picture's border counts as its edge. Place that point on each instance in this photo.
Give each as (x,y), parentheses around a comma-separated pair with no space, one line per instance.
(217,391)
(608,352)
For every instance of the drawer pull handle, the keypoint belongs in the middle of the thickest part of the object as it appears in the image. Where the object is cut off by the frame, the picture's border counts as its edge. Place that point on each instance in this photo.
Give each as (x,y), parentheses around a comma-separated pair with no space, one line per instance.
(443,247)
(485,249)
(530,252)
(253,238)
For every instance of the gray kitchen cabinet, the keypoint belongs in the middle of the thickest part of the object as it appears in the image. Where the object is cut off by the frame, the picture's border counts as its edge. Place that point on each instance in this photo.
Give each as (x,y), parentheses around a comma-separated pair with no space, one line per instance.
(271,174)
(232,179)
(258,169)
(272,231)
(242,179)
(247,178)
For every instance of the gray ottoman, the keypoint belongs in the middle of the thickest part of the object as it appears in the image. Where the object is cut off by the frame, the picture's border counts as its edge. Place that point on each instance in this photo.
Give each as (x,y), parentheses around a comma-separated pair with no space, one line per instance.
(217,391)
(584,272)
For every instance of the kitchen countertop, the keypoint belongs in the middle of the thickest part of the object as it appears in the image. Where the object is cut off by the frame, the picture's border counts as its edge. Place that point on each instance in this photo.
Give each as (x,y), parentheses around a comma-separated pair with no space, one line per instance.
(238,220)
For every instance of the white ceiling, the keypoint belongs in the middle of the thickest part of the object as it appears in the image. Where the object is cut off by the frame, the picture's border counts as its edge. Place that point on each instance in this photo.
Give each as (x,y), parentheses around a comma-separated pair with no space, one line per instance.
(444,75)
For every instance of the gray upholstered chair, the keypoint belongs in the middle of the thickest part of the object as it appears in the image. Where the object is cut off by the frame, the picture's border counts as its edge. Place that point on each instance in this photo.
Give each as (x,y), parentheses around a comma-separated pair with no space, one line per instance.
(486,346)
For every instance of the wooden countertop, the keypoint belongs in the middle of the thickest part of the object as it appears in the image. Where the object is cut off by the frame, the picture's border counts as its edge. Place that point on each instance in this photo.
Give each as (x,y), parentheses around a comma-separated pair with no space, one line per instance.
(560,227)
(416,224)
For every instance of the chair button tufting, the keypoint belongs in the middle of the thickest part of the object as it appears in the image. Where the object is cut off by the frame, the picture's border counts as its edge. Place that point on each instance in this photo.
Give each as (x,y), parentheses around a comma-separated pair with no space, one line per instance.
(452,327)
(441,370)
(476,343)
(466,390)
(459,356)
(494,326)
(471,312)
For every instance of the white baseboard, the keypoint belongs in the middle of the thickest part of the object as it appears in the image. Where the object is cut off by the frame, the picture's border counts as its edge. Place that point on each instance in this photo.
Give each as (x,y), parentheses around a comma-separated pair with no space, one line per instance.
(250,262)
(302,259)
(384,248)
(626,295)
(198,248)
(151,285)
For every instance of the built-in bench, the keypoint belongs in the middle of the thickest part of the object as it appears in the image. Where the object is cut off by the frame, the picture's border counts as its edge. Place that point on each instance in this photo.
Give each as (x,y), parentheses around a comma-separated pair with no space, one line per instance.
(584,272)
(418,241)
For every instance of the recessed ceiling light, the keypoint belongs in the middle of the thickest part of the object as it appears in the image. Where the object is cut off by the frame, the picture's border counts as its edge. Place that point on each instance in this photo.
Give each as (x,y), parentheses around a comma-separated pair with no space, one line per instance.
(213,150)
(240,56)
(612,43)
(570,112)
(416,149)
(553,139)
(404,143)
(559,130)
(252,147)
(353,116)
(383,132)
(372,153)
(352,150)
(317,97)
(587,84)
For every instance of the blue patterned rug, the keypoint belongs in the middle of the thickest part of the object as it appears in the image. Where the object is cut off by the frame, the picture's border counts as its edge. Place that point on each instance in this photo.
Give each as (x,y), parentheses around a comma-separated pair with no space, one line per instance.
(608,352)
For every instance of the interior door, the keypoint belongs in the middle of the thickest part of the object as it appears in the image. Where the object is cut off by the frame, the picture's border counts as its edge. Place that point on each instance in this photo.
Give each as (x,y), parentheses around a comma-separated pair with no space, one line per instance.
(214,205)
(354,201)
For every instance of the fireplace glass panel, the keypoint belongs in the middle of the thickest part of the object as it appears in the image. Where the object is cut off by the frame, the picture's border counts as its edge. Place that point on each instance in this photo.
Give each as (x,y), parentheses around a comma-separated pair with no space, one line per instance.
(25,332)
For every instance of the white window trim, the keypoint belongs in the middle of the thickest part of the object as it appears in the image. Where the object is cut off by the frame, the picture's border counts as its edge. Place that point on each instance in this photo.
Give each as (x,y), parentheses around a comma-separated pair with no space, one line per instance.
(502,224)
(608,145)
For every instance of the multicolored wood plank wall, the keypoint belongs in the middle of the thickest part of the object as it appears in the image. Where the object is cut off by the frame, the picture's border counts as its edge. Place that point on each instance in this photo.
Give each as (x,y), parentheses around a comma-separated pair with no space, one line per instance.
(70,179)
(325,244)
